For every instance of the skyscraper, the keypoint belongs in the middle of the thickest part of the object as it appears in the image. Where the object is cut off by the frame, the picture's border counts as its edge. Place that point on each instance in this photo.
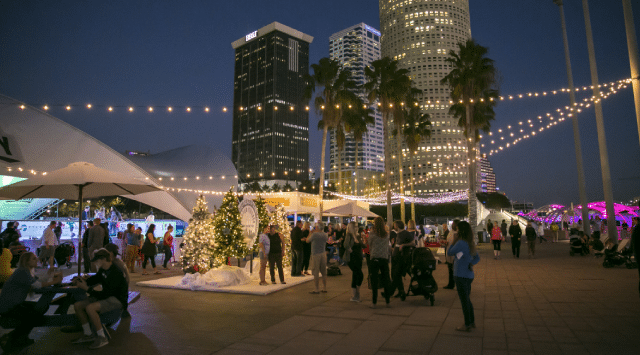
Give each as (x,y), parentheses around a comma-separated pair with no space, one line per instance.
(486,176)
(355,48)
(270,140)
(420,34)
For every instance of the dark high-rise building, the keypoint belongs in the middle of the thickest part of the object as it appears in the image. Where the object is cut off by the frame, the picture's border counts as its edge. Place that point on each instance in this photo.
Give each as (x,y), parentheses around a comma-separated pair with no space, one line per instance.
(270,118)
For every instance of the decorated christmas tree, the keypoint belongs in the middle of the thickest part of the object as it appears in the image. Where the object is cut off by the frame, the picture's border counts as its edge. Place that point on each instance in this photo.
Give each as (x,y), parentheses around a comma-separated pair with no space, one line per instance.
(197,252)
(279,218)
(228,231)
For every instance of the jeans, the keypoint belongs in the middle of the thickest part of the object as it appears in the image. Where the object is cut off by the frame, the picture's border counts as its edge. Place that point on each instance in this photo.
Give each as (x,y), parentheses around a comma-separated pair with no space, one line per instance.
(532,247)
(463,285)
(397,272)
(168,253)
(296,261)
(379,273)
(331,252)
(515,247)
(307,255)
(355,264)
(276,260)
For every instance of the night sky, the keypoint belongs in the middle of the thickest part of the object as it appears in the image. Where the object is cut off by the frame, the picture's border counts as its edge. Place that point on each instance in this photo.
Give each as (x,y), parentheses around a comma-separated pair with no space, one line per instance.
(179,53)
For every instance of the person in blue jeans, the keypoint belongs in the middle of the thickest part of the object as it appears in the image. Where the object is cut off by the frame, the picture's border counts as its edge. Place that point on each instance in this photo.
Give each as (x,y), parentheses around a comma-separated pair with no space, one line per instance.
(465,255)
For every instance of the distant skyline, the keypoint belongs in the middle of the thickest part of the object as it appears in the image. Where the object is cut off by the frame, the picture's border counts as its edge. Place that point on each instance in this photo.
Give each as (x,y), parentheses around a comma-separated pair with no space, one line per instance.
(178,53)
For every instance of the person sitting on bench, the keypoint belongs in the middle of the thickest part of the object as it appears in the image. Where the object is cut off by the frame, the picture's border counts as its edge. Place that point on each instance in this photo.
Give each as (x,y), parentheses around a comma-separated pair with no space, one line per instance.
(113,296)
(13,302)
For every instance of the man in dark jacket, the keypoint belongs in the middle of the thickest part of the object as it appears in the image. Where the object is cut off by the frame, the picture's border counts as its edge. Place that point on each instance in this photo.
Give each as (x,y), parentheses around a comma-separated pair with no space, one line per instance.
(296,250)
(503,229)
(515,232)
(113,296)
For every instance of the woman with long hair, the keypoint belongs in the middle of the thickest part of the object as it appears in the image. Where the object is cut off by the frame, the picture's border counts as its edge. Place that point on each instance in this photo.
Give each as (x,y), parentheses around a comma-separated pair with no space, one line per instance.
(353,256)
(306,248)
(451,240)
(13,302)
(465,255)
(379,260)
(149,250)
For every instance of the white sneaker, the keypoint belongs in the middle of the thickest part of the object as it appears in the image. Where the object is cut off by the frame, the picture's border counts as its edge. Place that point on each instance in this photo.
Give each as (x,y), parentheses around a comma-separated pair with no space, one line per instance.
(99,342)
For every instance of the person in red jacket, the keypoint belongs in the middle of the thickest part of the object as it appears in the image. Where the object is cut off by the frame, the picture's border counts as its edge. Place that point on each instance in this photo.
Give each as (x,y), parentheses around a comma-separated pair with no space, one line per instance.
(496,239)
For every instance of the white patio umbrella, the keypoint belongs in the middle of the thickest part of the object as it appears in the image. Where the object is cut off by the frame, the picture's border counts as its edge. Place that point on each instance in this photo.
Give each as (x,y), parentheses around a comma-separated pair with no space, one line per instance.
(75,182)
(350,210)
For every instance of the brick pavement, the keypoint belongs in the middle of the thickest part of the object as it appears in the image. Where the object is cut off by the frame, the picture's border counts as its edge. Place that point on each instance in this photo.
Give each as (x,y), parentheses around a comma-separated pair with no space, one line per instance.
(554,304)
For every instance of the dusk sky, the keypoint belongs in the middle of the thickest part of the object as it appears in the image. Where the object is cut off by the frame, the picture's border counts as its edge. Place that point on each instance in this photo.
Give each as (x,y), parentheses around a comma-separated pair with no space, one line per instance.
(179,53)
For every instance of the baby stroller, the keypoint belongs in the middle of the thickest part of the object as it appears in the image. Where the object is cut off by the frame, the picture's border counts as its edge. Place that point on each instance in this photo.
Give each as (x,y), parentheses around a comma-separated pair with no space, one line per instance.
(578,247)
(423,263)
(63,254)
(614,257)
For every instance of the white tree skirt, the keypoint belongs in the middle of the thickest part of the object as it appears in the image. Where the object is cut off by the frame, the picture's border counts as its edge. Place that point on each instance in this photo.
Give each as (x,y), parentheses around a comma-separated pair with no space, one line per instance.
(227,279)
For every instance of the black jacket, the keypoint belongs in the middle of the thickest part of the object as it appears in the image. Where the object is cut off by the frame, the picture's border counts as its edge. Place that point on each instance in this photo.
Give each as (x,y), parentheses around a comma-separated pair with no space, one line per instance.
(296,235)
(515,232)
(530,233)
(113,284)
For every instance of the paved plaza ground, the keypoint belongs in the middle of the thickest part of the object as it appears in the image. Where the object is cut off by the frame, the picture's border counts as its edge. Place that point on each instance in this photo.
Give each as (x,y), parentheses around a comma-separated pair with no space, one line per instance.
(553,304)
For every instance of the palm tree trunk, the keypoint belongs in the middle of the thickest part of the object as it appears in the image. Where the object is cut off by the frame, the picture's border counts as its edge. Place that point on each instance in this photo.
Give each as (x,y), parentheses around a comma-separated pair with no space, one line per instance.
(355,170)
(471,156)
(322,155)
(339,158)
(400,185)
(413,205)
(387,166)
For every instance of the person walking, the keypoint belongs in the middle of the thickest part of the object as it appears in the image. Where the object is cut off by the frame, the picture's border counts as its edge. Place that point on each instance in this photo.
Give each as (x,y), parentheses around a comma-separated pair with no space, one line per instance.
(263,253)
(490,225)
(167,246)
(465,256)
(296,250)
(276,249)
(503,228)
(451,240)
(149,250)
(353,258)
(306,248)
(496,238)
(404,241)
(48,246)
(133,239)
(95,240)
(379,262)
(541,232)
(515,232)
(318,241)
(530,232)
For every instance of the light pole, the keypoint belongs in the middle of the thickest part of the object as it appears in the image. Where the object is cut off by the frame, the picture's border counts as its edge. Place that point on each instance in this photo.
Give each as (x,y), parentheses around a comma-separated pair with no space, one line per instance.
(582,189)
(602,139)
(634,62)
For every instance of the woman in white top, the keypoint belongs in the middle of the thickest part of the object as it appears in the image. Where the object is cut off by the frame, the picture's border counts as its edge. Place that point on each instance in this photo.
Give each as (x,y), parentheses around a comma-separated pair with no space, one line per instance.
(264,247)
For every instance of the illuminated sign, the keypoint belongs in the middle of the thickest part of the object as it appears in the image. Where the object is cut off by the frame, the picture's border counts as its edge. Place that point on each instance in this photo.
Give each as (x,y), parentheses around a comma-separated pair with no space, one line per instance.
(251,36)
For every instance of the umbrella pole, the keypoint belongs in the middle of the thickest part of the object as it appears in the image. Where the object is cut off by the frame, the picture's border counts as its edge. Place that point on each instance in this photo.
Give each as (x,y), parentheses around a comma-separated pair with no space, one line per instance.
(79,229)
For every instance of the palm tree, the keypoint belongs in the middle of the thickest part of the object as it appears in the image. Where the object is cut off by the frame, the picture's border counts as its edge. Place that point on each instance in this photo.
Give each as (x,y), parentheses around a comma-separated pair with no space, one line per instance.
(357,121)
(384,81)
(335,83)
(404,95)
(473,87)
(417,127)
